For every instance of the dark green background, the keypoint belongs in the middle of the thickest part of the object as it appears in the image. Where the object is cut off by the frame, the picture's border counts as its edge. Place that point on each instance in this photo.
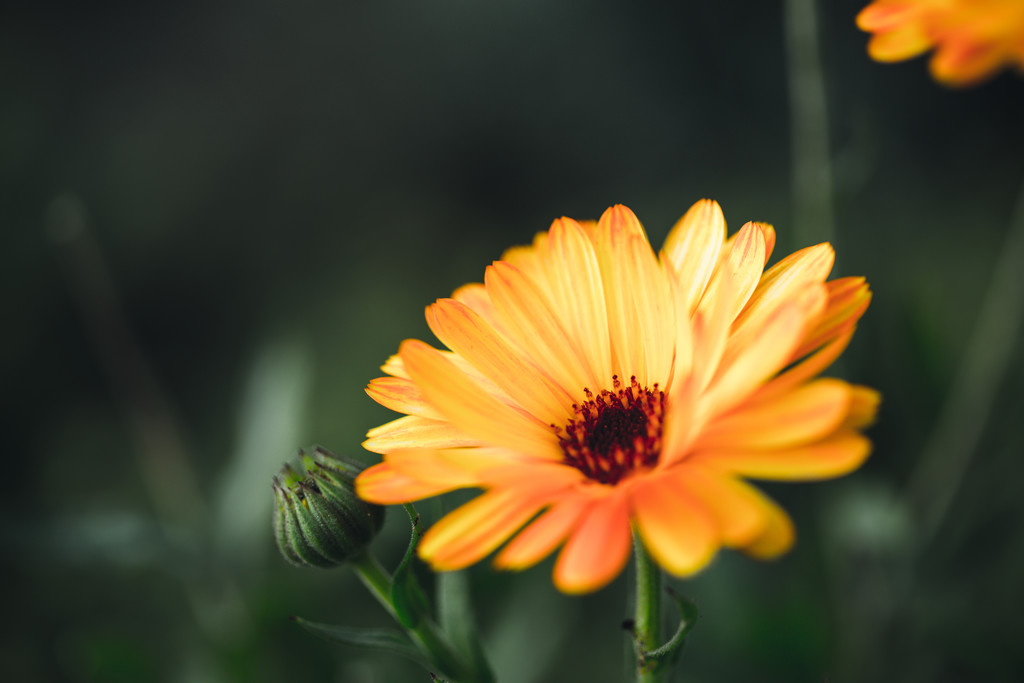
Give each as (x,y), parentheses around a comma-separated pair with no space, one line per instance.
(276,190)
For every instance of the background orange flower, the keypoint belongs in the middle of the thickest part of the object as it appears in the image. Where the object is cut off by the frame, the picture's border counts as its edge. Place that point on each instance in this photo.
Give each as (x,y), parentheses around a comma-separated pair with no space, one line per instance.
(973,39)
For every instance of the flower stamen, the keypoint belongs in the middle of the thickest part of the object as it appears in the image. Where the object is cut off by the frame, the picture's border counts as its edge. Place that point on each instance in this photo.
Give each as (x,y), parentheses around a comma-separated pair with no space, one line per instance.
(614,433)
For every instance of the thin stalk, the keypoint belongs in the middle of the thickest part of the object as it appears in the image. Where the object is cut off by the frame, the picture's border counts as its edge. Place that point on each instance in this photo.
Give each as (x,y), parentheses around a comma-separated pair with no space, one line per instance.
(647,620)
(989,354)
(813,209)
(425,634)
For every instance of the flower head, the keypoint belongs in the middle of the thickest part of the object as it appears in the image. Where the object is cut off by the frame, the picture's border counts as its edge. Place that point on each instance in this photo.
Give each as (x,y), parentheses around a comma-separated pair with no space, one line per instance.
(590,385)
(973,39)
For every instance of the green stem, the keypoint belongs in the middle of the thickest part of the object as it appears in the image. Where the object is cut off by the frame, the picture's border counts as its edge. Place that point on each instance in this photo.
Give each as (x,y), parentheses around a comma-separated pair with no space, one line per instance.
(647,622)
(425,634)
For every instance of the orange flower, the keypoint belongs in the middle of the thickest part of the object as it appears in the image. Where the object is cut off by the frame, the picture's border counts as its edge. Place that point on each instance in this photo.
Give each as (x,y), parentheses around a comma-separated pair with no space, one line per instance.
(973,38)
(599,386)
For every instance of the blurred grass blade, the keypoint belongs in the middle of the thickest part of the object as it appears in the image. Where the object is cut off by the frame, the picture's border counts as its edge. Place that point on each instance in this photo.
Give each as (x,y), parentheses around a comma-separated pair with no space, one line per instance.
(380,639)
(455,615)
(269,424)
(407,597)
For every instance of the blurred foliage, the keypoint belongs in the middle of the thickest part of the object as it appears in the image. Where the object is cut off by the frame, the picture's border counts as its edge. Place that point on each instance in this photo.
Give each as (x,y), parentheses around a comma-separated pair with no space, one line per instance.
(220,218)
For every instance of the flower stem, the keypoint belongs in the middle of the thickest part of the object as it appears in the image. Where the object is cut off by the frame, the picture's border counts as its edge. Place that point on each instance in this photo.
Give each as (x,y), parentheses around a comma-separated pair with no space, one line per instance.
(647,622)
(425,634)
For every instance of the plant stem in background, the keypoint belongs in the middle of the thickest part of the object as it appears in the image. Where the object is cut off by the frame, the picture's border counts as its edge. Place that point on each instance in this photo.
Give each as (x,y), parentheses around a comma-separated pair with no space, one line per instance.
(995,333)
(813,208)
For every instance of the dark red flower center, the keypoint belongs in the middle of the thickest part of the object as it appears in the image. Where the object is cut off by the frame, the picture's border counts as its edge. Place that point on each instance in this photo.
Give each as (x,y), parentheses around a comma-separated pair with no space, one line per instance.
(614,432)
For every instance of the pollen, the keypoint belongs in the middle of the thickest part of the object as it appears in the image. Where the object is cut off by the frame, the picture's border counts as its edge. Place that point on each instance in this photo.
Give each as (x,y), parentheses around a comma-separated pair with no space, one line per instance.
(614,433)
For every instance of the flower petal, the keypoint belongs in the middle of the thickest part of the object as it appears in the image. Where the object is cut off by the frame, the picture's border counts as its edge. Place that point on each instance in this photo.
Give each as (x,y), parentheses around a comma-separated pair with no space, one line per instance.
(416,432)
(965,61)
(782,282)
(805,370)
(384,485)
(839,454)
(543,535)
(619,235)
(806,414)
(778,534)
(847,299)
(737,508)
(578,274)
(401,395)
(675,528)
(476,297)
(765,355)
(903,42)
(863,407)
(469,533)
(598,549)
(527,313)
(471,409)
(693,247)
(743,261)
(459,467)
(469,336)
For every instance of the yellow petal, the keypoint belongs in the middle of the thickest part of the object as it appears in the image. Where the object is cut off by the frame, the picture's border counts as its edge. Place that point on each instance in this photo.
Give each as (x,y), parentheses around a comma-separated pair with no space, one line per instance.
(863,407)
(383,485)
(960,63)
(457,467)
(778,534)
(835,456)
(469,336)
(806,414)
(903,42)
(618,234)
(402,396)
(768,232)
(743,262)
(886,16)
(526,312)
(471,409)
(655,313)
(737,508)
(469,533)
(476,297)
(693,248)
(847,299)
(782,282)
(416,432)
(677,530)
(760,360)
(578,274)
(543,535)
(598,549)
(802,372)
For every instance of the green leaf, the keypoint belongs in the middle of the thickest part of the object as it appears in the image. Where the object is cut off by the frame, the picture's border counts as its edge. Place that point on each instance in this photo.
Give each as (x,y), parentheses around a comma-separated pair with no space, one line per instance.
(381,639)
(407,597)
(670,651)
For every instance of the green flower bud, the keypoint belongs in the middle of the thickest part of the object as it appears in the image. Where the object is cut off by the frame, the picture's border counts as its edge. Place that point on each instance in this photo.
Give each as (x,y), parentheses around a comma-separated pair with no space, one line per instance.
(318,520)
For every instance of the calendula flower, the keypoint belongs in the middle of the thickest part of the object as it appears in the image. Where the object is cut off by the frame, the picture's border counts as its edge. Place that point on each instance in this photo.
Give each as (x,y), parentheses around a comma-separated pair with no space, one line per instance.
(973,39)
(590,386)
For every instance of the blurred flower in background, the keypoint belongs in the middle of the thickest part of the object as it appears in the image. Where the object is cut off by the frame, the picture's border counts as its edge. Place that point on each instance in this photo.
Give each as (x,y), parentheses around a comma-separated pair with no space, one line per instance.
(533,403)
(973,39)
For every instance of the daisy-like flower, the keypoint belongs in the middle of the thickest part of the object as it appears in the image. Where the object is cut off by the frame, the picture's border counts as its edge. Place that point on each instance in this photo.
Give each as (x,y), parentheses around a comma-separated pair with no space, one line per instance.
(973,39)
(590,386)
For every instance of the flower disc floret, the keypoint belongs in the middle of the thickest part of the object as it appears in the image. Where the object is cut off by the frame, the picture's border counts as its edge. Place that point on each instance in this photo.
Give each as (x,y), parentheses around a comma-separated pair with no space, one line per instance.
(614,433)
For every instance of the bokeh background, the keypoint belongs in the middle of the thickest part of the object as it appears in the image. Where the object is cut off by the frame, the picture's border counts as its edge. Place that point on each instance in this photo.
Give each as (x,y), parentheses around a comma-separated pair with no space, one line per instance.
(220,218)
